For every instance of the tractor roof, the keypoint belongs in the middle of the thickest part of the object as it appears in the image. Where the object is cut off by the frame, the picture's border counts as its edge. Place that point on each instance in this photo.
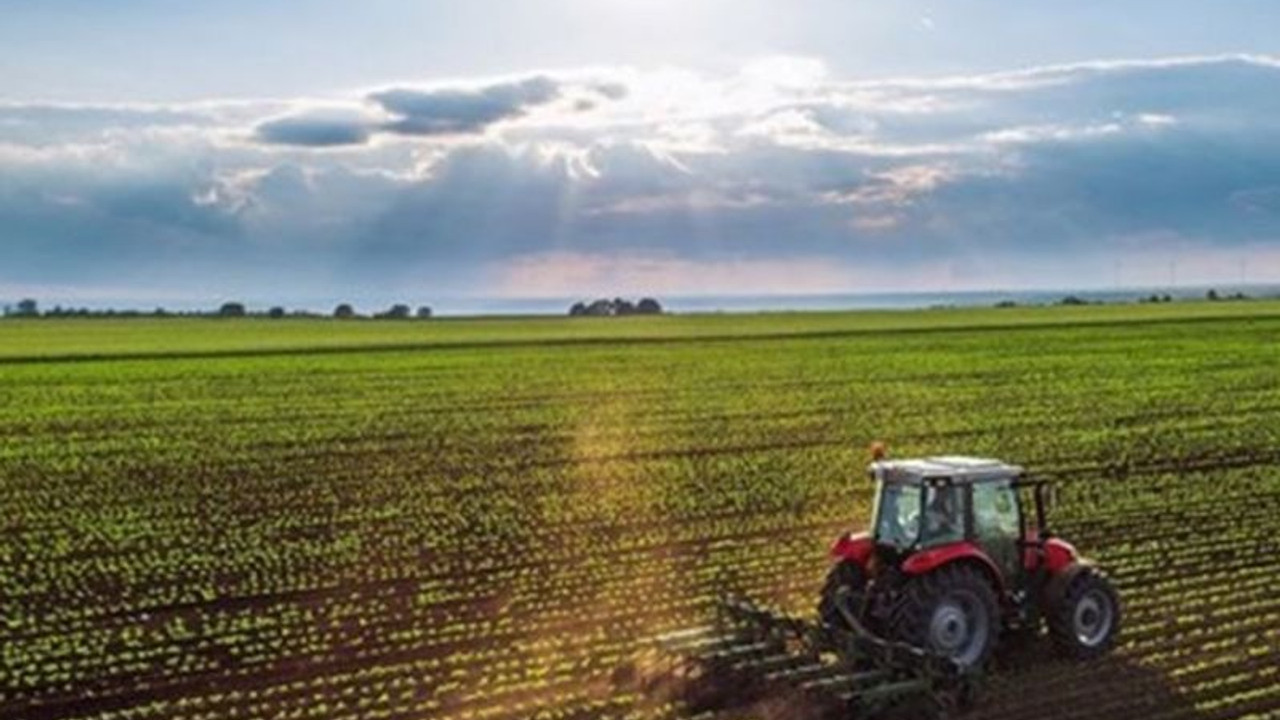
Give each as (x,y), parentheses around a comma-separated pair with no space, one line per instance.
(957,468)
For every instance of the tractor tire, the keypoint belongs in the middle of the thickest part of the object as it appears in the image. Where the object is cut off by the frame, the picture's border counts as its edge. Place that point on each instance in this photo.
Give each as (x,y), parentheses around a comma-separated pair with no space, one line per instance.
(852,579)
(1083,613)
(953,611)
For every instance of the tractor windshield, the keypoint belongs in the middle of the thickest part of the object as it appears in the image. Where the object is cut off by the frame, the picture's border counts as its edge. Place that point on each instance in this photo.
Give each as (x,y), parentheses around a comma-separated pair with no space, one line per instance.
(897,514)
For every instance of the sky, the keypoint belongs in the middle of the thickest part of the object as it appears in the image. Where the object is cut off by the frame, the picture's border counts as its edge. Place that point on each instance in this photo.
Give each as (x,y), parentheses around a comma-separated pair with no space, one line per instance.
(184,153)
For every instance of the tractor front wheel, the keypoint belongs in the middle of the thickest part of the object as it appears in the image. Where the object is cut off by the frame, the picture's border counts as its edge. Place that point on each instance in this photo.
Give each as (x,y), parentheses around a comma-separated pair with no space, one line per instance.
(952,611)
(1083,613)
(845,588)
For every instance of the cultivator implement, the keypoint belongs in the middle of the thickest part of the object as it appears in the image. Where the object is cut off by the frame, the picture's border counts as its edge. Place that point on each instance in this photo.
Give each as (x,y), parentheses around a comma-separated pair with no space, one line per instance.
(754,654)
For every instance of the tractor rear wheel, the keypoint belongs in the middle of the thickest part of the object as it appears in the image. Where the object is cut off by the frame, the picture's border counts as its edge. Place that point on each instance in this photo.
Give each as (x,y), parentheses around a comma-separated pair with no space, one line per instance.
(952,611)
(1083,613)
(845,587)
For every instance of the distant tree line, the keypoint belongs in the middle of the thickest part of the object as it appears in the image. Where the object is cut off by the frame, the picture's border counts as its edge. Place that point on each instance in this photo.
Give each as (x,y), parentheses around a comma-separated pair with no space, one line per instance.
(1212,296)
(617,306)
(29,308)
(398,311)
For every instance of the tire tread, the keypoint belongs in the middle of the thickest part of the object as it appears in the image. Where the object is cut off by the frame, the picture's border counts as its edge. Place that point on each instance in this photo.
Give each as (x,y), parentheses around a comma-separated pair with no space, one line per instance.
(909,620)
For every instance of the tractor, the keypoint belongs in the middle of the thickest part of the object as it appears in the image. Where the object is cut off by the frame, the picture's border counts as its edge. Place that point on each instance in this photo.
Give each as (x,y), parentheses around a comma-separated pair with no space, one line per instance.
(959,553)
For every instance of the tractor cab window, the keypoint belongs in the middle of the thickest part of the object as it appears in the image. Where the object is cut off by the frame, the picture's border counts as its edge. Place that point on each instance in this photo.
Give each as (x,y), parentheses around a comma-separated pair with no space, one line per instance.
(995,522)
(944,513)
(897,515)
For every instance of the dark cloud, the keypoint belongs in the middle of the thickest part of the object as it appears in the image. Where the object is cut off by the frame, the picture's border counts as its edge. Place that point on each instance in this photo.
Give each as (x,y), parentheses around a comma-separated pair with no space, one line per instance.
(449,111)
(312,131)
(1082,194)
(97,220)
(611,90)
(1215,93)
(458,111)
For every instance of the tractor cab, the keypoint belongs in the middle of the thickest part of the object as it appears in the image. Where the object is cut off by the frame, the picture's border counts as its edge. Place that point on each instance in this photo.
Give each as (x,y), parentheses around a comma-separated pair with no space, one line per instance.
(932,503)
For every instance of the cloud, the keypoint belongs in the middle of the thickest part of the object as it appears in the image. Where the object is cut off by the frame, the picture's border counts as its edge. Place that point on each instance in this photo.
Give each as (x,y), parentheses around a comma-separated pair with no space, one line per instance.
(445,111)
(460,111)
(313,131)
(36,125)
(610,90)
(665,178)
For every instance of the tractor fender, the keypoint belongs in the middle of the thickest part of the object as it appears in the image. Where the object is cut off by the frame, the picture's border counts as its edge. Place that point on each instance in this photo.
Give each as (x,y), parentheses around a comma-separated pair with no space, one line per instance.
(1059,555)
(966,552)
(853,547)
(1062,579)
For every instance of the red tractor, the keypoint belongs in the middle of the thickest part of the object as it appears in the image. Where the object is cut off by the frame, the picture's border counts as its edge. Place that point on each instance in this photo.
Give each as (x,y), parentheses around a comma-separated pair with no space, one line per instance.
(957,553)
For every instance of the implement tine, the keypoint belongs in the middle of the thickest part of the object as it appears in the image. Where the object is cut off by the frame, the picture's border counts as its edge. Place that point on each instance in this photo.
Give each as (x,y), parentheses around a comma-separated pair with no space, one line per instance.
(758,649)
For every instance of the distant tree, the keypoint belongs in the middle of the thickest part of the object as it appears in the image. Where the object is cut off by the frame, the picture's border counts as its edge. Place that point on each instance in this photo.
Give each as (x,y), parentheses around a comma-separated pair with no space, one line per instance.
(1212,295)
(1166,298)
(604,307)
(396,312)
(424,313)
(1006,304)
(27,308)
(276,312)
(648,306)
(231,309)
(1073,300)
(600,308)
(344,311)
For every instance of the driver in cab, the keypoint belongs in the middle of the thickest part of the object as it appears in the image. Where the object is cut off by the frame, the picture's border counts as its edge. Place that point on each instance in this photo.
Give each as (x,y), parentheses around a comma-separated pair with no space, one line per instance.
(942,517)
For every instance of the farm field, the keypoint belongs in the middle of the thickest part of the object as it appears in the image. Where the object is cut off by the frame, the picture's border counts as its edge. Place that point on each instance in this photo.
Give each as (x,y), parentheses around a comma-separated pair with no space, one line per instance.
(92,338)
(473,519)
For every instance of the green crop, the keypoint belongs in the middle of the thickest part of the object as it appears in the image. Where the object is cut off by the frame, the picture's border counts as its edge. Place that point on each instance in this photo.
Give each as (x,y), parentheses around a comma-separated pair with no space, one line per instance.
(488,518)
